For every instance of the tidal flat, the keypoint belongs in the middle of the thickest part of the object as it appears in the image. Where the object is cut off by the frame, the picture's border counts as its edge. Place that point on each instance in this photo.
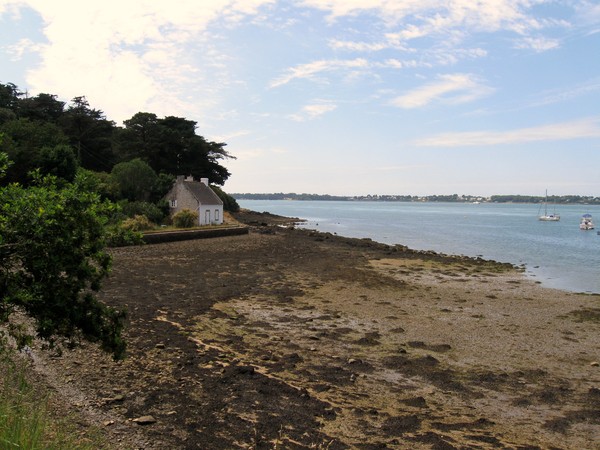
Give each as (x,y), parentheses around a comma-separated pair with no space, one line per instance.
(289,338)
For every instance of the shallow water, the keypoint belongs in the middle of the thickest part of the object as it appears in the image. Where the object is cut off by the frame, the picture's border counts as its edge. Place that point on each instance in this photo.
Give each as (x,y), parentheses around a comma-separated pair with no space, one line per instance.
(557,254)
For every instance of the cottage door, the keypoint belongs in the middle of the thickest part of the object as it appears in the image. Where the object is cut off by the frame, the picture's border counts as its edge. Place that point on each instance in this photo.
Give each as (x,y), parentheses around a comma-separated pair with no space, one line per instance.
(207,217)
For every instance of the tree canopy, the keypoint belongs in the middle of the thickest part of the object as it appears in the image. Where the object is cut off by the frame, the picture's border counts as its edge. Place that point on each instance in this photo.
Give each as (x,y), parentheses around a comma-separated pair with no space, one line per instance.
(169,145)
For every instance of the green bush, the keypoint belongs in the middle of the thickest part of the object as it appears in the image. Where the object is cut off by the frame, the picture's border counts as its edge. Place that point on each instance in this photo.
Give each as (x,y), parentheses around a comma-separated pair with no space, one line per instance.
(52,261)
(137,223)
(117,236)
(153,212)
(185,219)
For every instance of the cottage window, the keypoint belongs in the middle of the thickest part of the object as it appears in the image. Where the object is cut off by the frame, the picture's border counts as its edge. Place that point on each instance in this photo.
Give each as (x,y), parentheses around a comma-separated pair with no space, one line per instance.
(173,203)
(216,215)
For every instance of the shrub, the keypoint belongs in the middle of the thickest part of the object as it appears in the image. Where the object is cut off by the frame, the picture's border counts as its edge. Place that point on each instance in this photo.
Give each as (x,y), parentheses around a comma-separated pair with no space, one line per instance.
(137,223)
(153,212)
(116,236)
(185,219)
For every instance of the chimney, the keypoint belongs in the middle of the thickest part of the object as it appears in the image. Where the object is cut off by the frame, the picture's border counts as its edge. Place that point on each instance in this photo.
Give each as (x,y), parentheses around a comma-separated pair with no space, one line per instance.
(204,181)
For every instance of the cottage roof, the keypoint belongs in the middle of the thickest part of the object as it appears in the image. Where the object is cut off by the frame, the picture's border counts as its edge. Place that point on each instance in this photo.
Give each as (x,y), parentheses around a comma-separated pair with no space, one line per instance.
(203,193)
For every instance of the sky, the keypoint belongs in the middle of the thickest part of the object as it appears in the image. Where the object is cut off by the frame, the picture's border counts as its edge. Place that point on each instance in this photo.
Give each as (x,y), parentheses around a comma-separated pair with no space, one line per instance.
(342,97)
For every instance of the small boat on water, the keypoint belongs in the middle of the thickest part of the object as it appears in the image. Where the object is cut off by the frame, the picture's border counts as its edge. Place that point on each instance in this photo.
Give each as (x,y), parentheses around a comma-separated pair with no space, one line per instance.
(548,217)
(586,222)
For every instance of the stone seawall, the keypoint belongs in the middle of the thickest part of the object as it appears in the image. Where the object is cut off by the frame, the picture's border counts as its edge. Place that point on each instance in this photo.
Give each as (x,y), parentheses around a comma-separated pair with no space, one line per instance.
(183,235)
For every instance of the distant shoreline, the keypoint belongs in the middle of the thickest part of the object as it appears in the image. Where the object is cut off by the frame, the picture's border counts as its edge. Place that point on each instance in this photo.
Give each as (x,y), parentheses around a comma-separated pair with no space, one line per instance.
(519,199)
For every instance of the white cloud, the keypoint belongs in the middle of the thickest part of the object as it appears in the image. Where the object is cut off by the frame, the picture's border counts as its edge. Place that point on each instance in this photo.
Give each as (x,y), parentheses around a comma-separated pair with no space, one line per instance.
(23,46)
(313,110)
(130,55)
(451,88)
(578,129)
(590,87)
(490,15)
(539,44)
(309,70)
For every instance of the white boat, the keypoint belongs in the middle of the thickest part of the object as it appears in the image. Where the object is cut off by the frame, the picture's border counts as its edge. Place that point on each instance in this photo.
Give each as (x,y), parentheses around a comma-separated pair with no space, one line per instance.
(586,222)
(548,217)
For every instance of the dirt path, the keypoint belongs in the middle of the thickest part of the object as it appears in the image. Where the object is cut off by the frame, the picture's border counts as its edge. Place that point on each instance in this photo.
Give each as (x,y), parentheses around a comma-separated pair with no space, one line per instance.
(292,339)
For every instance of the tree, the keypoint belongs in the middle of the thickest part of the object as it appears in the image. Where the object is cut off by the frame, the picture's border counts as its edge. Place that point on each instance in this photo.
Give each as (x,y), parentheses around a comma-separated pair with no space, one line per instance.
(136,179)
(44,107)
(9,96)
(90,134)
(24,141)
(171,146)
(58,161)
(139,138)
(52,260)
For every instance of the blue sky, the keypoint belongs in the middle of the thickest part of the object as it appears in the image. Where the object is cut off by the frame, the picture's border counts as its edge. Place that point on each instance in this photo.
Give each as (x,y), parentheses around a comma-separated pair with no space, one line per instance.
(347,97)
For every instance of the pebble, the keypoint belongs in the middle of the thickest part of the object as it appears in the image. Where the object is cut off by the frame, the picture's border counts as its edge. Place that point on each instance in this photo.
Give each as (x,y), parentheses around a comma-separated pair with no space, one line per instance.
(595,364)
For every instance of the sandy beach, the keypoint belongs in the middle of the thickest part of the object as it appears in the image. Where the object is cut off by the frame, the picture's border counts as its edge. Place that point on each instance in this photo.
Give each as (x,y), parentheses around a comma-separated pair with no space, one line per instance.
(291,339)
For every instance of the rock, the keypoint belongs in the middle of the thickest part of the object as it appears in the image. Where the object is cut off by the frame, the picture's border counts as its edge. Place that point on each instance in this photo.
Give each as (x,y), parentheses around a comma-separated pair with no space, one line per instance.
(159,346)
(145,420)
(115,399)
(595,364)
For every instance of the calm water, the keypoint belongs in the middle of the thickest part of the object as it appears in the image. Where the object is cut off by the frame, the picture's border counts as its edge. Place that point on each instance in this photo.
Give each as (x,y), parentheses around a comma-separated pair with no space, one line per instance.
(556,253)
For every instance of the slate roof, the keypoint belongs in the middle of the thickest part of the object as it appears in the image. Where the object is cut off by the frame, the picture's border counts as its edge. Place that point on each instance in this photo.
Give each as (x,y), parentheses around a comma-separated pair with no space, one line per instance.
(203,193)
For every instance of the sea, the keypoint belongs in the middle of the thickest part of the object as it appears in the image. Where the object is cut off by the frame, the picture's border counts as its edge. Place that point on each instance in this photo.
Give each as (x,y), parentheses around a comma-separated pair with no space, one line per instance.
(557,254)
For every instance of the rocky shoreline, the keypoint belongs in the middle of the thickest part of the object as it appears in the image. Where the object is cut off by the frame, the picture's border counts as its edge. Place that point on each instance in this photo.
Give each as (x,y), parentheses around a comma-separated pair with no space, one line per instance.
(288,338)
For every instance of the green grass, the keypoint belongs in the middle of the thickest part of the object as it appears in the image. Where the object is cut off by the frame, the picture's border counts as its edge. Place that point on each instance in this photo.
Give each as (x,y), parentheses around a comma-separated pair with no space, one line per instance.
(25,419)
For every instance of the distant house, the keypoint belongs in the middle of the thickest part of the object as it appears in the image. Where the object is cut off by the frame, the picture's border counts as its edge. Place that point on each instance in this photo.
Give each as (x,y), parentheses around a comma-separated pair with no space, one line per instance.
(196,196)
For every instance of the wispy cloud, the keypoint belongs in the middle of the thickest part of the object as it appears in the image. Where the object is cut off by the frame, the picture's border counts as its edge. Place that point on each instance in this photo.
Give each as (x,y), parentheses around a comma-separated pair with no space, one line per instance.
(310,70)
(313,110)
(435,16)
(590,87)
(450,88)
(139,48)
(578,129)
(22,47)
(538,44)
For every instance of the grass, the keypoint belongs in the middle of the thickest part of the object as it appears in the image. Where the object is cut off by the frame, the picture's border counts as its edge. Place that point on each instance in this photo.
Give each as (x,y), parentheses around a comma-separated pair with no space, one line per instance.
(25,419)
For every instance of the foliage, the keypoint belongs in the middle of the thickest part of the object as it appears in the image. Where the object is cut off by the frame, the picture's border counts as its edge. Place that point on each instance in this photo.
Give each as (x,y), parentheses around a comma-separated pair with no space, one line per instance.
(100,182)
(229,203)
(171,145)
(90,134)
(117,236)
(32,145)
(185,219)
(58,161)
(4,162)
(52,259)
(137,223)
(154,213)
(136,179)
(38,129)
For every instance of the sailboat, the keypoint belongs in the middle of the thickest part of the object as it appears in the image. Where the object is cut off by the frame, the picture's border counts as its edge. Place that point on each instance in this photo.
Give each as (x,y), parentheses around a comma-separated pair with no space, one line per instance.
(551,217)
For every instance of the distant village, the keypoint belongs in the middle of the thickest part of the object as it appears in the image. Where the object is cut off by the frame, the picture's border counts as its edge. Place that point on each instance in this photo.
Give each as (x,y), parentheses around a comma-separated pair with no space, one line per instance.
(562,199)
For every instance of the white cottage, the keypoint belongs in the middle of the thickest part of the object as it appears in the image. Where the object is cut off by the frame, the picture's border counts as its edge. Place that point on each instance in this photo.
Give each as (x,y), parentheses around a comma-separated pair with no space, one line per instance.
(196,196)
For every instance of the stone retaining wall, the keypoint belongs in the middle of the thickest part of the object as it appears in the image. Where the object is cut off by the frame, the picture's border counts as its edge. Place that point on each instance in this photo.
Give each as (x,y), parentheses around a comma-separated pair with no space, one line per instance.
(183,235)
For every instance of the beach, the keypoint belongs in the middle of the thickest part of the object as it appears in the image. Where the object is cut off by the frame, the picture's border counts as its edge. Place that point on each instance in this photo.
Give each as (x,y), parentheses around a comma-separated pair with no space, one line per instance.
(293,339)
